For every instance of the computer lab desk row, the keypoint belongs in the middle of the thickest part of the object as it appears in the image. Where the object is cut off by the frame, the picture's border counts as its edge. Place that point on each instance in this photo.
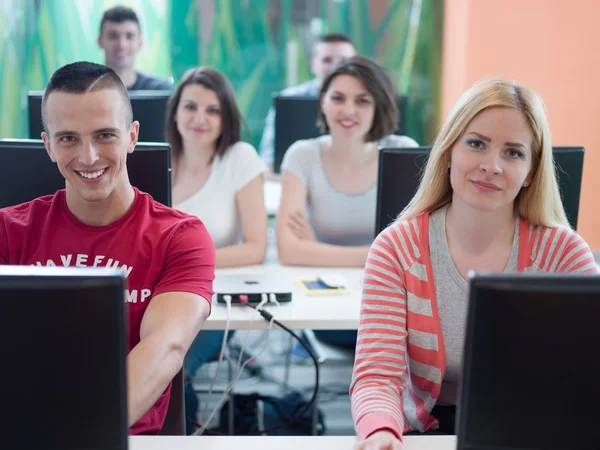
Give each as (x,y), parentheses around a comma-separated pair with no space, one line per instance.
(277,442)
(317,312)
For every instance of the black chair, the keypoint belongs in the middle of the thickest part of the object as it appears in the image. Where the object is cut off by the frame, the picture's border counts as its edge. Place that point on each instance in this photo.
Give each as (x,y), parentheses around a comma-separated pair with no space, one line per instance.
(175,420)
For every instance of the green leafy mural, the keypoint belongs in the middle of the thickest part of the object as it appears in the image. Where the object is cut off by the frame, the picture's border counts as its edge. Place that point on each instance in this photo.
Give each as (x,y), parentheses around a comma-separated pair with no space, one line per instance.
(261,45)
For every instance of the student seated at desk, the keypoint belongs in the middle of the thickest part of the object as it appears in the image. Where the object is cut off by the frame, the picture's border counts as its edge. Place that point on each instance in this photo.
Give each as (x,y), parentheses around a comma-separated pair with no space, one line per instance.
(334,176)
(120,39)
(488,201)
(217,178)
(101,220)
(327,211)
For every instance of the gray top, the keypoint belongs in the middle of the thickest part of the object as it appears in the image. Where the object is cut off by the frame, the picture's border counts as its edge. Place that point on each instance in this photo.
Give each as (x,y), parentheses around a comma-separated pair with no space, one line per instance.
(336,217)
(452,293)
(147,82)
(267,142)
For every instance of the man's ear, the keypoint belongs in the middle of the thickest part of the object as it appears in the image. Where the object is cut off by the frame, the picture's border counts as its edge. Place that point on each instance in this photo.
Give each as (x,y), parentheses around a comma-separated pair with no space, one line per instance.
(134,131)
(99,40)
(46,140)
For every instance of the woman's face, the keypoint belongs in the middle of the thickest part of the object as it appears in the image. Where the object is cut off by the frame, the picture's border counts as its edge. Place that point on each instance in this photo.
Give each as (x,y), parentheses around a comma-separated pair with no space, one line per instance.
(492,161)
(198,116)
(348,107)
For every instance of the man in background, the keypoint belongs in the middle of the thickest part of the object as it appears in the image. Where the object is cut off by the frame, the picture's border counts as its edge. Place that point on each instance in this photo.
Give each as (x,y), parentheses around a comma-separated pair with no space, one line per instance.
(327,52)
(121,40)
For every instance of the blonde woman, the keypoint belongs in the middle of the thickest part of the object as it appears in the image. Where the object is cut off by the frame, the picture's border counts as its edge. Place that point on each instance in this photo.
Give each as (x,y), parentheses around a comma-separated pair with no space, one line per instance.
(488,201)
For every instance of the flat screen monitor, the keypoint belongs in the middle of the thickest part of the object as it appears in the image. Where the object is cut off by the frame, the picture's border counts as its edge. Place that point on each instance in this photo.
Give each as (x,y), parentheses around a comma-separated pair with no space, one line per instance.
(26,171)
(63,377)
(149,109)
(400,171)
(296,119)
(530,363)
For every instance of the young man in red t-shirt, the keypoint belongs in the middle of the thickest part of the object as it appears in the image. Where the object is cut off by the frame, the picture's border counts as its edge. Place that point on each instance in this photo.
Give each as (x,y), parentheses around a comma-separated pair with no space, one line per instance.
(101,220)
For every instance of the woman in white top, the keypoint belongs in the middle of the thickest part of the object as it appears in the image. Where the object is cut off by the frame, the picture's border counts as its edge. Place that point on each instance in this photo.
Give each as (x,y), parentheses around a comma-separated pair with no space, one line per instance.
(217,178)
(334,178)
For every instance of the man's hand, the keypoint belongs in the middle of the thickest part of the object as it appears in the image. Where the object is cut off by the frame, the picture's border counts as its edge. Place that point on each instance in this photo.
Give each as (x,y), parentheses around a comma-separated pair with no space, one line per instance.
(380,440)
(300,226)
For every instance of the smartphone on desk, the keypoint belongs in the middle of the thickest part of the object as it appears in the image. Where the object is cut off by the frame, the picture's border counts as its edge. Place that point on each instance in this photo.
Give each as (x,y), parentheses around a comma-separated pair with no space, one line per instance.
(318,286)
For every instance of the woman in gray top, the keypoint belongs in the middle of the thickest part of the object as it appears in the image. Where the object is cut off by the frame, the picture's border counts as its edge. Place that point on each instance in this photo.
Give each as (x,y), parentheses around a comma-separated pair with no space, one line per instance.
(327,211)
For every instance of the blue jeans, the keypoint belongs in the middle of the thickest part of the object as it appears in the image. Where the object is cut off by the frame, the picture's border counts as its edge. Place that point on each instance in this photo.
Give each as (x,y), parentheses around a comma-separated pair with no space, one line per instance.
(342,338)
(206,345)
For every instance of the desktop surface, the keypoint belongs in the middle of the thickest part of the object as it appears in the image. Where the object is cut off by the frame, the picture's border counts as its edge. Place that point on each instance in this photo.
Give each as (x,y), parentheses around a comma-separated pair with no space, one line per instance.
(277,442)
(530,363)
(149,109)
(29,172)
(317,312)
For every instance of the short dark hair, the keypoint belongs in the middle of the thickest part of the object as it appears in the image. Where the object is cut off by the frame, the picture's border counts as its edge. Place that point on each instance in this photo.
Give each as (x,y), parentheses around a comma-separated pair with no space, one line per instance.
(231,118)
(119,14)
(333,38)
(81,77)
(379,84)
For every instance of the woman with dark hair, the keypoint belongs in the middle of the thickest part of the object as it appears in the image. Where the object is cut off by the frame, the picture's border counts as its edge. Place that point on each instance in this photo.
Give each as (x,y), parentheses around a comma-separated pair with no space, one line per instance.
(334,177)
(217,178)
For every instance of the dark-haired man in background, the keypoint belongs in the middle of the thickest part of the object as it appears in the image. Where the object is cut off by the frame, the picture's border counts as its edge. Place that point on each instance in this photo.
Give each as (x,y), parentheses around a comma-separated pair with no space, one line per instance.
(327,52)
(167,256)
(120,38)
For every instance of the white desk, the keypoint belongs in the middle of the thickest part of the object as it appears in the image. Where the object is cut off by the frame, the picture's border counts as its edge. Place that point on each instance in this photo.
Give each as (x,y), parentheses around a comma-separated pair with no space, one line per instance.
(272,191)
(339,312)
(276,442)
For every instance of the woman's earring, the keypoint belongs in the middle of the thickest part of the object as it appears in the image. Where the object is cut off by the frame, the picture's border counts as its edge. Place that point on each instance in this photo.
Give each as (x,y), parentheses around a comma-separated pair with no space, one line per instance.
(526,184)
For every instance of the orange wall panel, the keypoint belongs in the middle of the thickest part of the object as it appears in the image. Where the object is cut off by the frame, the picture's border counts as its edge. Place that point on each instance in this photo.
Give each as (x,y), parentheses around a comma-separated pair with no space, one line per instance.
(550,45)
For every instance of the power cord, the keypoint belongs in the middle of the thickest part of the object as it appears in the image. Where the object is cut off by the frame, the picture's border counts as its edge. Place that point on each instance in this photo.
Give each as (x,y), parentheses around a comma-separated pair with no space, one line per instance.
(269,317)
(229,387)
(227,300)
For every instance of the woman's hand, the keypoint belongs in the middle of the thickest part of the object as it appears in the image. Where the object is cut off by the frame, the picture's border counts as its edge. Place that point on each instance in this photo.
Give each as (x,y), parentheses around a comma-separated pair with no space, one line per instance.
(300,226)
(380,440)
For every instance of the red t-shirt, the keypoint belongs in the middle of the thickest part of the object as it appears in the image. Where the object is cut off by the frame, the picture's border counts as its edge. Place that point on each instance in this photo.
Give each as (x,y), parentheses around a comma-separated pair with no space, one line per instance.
(159,249)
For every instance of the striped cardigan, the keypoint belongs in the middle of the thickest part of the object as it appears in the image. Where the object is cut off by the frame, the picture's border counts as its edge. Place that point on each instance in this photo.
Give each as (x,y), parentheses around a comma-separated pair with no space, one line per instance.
(400,356)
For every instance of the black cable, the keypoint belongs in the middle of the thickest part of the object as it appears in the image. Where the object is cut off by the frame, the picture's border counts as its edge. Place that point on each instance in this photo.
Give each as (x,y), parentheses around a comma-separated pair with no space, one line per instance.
(269,317)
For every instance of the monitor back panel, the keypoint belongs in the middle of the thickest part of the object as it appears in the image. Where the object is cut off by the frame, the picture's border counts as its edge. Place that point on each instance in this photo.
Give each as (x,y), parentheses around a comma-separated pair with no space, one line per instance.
(29,172)
(568,162)
(530,364)
(149,109)
(399,176)
(62,381)
(400,170)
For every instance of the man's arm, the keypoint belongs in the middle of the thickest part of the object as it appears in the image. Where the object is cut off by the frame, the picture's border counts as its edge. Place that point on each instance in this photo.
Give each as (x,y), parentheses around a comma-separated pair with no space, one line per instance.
(169,325)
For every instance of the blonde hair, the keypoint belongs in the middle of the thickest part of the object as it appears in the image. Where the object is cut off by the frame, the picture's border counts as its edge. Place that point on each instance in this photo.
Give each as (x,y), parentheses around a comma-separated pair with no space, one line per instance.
(540,202)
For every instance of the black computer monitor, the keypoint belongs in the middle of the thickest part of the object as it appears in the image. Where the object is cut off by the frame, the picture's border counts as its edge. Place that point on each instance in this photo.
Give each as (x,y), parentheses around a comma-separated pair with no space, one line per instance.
(149,109)
(26,171)
(63,377)
(530,363)
(400,171)
(296,119)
